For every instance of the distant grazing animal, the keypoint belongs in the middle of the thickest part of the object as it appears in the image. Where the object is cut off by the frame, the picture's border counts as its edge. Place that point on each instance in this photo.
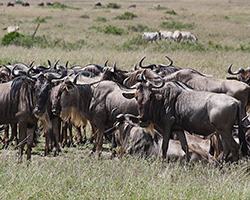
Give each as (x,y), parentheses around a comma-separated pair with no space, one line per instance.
(10,4)
(12,28)
(188,36)
(98,4)
(41,4)
(151,36)
(25,4)
(156,5)
(50,3)
(167,35)
(132,6)
(177,36)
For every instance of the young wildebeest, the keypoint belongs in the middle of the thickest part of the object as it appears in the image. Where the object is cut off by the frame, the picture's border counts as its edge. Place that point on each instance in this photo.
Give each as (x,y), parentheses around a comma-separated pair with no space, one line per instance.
(174,106)
(135,140)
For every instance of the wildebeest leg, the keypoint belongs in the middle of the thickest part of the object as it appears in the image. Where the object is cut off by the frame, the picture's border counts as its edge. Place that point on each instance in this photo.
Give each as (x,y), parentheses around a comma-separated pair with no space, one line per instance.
(229,145)
(166,137)
(64,133)
(56,124)
(98,142)
(47,140)
(70,134)
(30,138)
(182,138)
(22,139)
(78,136)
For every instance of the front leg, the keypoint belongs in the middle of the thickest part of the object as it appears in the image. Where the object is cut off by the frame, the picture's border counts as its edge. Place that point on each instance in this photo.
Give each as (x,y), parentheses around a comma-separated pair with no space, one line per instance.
(182,138)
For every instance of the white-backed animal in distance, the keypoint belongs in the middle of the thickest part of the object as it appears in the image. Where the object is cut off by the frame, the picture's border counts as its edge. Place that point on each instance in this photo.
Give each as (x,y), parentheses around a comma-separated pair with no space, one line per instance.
(12,28)
(167,35)
(151,36)
(177,35)
(189,36)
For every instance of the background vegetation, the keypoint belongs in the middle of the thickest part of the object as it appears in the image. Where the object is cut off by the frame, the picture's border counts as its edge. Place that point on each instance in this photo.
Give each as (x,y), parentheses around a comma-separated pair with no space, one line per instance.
(81,33)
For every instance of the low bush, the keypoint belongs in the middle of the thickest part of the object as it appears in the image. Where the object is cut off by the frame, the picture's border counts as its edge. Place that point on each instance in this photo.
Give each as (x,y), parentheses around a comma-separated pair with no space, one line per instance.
(101,19)
(171,12)
(84,16)
(177,25)
(113,5)
(110,29)
(58,5)
(138,28)
(126,16)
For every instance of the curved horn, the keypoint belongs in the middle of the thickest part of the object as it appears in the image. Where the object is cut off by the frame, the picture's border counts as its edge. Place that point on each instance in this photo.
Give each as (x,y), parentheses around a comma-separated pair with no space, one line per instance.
(53,76)
(31,64)
(170,64)
(8,69)
(234,73)
(55,64)
(20,72)
(106,63)
(113,112)
(151,66)
(135,67)
(114,67)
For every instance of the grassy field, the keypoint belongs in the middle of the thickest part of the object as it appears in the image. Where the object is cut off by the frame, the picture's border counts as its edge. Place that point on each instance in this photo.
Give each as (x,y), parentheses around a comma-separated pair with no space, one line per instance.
(81,33)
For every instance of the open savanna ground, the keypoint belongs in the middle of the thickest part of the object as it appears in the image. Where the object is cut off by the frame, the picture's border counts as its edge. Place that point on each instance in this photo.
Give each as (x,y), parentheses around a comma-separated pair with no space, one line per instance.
(79,32)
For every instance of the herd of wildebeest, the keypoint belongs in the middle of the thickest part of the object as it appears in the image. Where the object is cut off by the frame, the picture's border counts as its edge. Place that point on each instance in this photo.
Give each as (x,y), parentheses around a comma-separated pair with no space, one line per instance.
(158,110)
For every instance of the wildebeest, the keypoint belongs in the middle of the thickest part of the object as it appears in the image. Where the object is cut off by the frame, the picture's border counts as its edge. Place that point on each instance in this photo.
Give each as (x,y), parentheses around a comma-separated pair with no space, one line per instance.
(176,107)
(41,4)
(98,4)
(10,4)
(198,81)
(132,6)
(243,74)
(17,104)
(50,3)
(135,140)
(151,36)
(93,102)
(25,4)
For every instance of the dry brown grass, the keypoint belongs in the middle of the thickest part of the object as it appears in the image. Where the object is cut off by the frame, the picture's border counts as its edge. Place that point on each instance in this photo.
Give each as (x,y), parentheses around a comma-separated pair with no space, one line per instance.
(223,23)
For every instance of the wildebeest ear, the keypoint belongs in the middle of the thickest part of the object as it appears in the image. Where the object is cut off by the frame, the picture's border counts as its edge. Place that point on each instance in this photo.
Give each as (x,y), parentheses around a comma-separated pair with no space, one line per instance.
(158,96)
(129,95)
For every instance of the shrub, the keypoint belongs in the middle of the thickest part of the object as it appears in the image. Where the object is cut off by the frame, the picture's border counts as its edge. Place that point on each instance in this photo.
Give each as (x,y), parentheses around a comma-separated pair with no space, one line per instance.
(101,19)
(41,20)
(84,16)
(133,44)
(177,25)
(126,16)
(58,5)
(110,29)
(138,28)
(113,5)
(77,45)
(171,12)
(9,38)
